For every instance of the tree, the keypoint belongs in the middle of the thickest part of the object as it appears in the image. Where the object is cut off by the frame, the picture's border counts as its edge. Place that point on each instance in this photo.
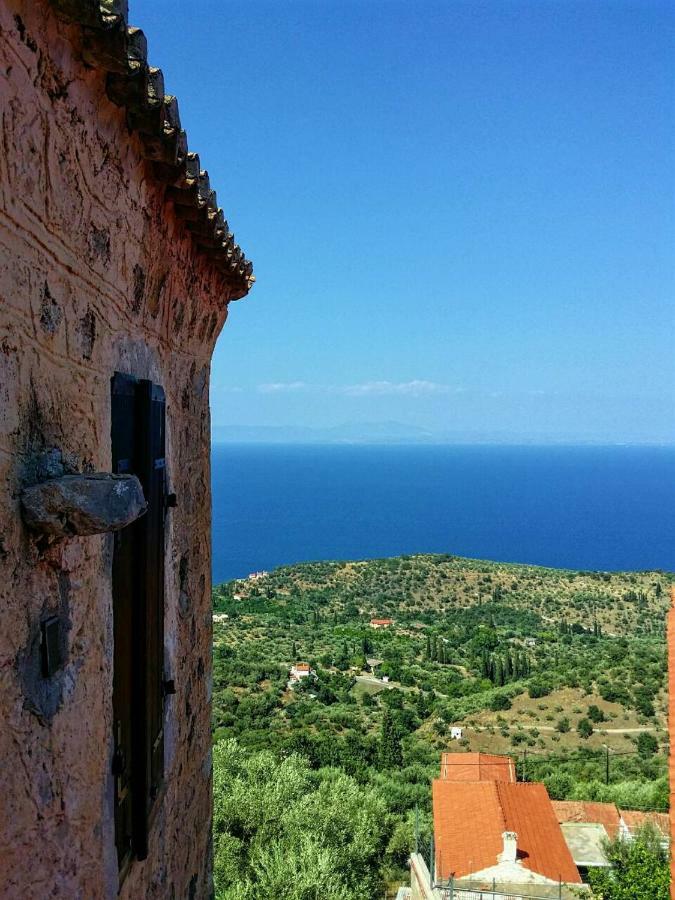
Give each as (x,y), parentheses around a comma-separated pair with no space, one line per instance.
(640,869)
(538,689)
(500,702)
(559,785)
(391,755)
(423,707)
(647,744)
(595,714)
(563,725)
(584,728)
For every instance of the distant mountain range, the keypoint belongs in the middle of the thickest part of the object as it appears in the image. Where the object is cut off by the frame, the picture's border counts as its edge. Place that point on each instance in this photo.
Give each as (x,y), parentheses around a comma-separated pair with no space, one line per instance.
(350,433)
(379,433)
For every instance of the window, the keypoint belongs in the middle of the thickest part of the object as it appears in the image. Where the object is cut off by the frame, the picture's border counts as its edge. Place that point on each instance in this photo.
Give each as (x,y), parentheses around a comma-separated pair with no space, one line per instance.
(138,413)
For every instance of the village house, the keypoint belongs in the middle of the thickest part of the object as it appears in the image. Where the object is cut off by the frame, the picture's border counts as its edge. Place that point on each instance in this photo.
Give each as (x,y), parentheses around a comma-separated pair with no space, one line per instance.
(456,733)
(257,576)
(299,671)
(116,271)
(381,623)
(587,825)
(492,833)
(589,812)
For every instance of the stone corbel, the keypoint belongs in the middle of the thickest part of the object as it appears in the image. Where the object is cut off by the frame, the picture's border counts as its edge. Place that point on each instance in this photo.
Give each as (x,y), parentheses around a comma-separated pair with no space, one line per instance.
(83,504)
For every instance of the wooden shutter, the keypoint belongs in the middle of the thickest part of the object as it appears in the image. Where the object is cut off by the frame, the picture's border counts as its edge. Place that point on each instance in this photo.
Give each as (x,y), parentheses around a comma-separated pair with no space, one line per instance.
(138,435)
(152,474)
(124,460)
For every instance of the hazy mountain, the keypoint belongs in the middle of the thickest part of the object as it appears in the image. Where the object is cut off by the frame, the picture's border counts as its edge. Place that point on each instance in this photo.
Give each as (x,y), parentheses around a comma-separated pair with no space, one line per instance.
(349,433)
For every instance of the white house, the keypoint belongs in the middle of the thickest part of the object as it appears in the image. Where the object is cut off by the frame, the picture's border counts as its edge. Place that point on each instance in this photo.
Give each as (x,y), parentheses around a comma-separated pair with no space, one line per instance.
(299,671)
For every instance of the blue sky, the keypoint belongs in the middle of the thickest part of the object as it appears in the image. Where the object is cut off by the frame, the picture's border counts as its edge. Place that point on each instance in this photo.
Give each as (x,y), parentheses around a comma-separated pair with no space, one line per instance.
(461,215)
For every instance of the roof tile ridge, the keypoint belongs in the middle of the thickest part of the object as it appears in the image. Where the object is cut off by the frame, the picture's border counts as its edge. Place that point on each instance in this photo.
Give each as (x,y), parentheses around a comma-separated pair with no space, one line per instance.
(496,785)
(119,50)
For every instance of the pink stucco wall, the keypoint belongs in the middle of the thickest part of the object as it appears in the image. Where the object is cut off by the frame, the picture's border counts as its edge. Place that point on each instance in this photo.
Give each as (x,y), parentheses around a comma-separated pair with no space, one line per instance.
(96,275)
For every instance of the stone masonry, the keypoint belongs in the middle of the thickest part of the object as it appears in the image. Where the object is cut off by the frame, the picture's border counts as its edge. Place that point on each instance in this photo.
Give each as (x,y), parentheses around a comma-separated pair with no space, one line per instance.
(113,257)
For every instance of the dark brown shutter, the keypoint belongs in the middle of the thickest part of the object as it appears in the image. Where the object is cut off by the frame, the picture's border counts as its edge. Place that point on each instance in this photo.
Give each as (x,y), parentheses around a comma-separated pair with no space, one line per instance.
(152,474)
(138,435)
(125,594)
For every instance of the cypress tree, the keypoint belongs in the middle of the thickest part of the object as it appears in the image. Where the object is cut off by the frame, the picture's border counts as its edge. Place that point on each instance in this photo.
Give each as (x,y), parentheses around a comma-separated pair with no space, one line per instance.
(391,755)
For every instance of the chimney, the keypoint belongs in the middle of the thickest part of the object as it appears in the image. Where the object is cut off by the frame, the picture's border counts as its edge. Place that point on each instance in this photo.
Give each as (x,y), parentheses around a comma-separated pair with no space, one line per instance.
(510,852)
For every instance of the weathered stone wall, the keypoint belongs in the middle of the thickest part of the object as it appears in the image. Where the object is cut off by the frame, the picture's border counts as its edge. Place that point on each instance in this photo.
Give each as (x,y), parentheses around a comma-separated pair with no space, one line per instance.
(96,275)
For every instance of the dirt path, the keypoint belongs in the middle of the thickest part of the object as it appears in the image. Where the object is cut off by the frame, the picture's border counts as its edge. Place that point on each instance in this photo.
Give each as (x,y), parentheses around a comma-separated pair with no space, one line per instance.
(595,729)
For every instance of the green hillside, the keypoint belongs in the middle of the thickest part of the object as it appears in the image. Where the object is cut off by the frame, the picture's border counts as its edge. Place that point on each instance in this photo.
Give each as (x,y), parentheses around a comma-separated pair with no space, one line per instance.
(564,670)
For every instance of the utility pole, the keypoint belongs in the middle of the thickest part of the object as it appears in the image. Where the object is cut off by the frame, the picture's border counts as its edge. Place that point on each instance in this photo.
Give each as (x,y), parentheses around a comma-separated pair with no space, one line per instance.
(525,764)
(606,763)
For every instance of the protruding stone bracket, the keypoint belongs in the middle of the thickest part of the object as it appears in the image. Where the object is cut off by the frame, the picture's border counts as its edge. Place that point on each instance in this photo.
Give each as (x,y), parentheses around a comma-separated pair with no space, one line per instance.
(83,504)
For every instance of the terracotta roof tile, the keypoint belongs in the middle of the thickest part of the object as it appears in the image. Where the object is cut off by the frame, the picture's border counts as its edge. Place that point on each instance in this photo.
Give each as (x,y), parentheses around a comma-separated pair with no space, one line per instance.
(468,826)
(477,767)
(470,818)
(528,812)
(605,814)
(635,819)
(120,52)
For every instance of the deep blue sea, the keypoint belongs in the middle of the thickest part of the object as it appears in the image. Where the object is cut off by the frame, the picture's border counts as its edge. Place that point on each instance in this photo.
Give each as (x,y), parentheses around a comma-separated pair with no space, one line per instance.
(608,508)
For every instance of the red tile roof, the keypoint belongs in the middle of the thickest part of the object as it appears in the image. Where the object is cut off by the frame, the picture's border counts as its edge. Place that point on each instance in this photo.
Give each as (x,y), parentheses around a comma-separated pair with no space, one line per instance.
(477,767)
(381,621)
(301,667)
(605,814)
(470,818)
(635,819)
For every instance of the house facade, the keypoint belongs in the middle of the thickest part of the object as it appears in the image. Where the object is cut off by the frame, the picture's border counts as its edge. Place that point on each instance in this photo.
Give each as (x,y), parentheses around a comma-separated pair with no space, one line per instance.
(116,270)
(298,671)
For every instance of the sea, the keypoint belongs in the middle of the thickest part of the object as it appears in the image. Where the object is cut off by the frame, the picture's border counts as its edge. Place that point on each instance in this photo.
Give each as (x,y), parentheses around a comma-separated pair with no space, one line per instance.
(589,508)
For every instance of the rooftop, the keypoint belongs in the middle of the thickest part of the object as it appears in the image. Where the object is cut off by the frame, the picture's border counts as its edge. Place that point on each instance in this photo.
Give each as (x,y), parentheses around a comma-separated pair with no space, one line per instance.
(586,843)
(477,767)
(470,819)
(635,819)
(605,814)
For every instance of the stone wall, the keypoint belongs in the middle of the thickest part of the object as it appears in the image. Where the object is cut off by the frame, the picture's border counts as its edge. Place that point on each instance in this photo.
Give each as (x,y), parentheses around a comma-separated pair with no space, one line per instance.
(97,275)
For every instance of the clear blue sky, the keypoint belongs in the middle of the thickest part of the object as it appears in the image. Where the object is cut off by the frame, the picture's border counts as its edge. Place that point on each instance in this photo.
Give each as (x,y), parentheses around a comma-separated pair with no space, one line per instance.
(461,215)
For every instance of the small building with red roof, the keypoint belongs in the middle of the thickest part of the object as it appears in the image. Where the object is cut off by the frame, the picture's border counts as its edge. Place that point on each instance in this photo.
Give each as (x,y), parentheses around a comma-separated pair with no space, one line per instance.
(477,767)
(632,820)
(299,671)
(381,623)
(589,813)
